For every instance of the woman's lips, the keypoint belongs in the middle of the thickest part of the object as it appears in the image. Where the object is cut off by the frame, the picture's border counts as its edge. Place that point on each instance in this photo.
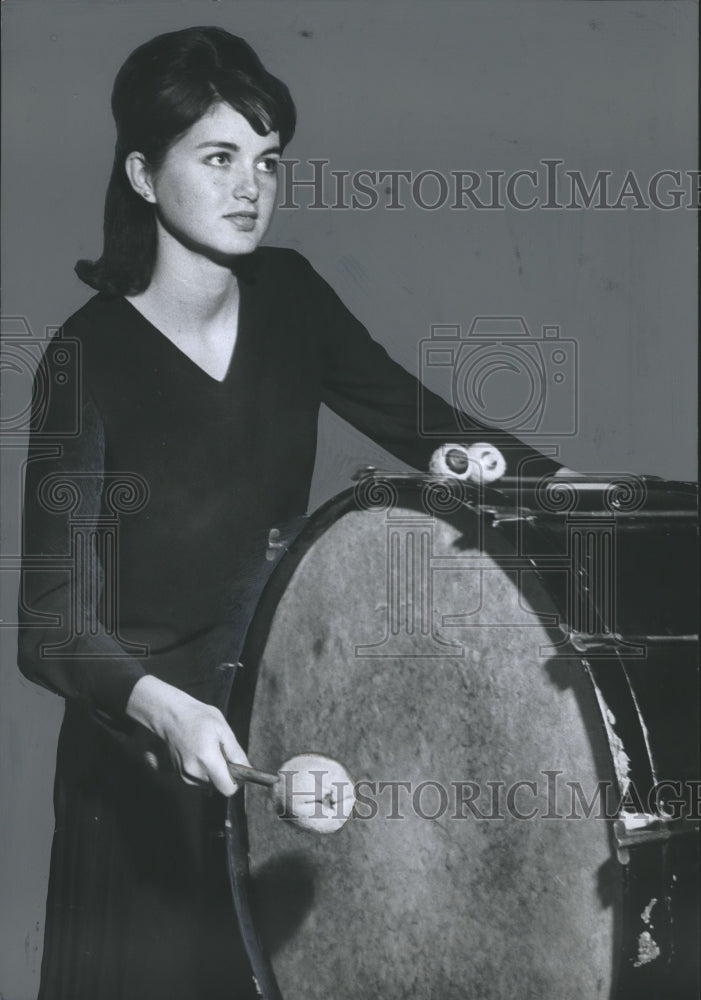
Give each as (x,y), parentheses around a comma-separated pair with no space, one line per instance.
(245,221)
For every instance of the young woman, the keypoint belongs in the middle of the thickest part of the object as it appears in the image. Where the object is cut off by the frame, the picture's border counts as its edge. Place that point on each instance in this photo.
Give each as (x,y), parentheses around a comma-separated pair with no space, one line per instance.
(199,368)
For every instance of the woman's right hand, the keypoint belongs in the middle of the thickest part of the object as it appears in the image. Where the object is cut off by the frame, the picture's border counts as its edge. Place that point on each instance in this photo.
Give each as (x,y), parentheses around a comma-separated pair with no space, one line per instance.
(197,735)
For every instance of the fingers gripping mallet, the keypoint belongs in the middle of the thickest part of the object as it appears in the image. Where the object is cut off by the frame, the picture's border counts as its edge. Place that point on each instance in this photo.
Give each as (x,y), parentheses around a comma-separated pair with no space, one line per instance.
(313,791)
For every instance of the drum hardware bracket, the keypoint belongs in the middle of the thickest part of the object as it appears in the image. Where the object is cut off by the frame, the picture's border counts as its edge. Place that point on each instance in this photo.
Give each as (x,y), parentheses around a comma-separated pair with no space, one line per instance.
(274,544)
(638,829)
(500,518)
(362,472)
(610,642)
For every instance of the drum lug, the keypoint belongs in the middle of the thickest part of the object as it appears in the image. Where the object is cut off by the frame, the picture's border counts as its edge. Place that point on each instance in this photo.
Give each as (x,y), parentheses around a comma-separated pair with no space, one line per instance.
(638,829)
(597,642)
(362,472)
(274,544)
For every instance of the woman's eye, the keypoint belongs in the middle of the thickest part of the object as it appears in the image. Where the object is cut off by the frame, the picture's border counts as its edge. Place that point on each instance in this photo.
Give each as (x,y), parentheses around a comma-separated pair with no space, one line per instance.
(218,159)
(269,165)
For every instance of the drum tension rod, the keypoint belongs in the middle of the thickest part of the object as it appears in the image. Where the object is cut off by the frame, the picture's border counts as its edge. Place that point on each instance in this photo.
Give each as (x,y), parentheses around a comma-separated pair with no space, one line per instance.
(639,829)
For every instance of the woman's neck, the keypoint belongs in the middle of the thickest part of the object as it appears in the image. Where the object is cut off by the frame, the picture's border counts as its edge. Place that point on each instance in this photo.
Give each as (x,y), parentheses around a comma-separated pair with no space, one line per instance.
(189,292)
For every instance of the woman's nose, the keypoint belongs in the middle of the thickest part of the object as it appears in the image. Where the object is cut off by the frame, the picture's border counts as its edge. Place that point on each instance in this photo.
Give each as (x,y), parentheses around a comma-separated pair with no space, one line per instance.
(246,185)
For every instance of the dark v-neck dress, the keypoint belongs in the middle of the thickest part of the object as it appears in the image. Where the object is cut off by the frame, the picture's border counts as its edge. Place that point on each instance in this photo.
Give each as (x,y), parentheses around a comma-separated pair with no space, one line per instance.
(147,518)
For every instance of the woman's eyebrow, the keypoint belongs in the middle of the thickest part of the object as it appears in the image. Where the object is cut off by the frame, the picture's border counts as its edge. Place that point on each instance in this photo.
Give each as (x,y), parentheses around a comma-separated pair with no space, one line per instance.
(234,147)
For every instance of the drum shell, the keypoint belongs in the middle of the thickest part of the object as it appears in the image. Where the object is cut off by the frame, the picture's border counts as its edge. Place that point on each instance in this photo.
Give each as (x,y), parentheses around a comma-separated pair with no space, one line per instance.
(540,539)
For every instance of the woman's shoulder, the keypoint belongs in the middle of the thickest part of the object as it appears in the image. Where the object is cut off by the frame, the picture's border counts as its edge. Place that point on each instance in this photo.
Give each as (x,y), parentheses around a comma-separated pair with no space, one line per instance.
(90,340)
(277,264)
(99,313)
(101,327)
(271,256)
(286,275)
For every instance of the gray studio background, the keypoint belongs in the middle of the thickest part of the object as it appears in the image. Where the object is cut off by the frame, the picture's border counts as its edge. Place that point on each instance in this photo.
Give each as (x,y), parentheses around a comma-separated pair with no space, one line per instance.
(410,86)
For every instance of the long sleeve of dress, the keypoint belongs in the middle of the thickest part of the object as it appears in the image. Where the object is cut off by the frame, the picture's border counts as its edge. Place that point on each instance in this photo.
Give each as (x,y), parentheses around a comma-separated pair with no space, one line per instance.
(63,644)
(379,397)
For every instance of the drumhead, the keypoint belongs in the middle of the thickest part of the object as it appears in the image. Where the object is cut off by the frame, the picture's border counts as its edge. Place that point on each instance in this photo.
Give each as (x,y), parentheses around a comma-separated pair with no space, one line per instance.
(412,649)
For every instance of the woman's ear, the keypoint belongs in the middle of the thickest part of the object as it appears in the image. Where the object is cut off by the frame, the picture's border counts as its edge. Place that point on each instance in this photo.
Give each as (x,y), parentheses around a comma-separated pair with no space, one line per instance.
(140,176)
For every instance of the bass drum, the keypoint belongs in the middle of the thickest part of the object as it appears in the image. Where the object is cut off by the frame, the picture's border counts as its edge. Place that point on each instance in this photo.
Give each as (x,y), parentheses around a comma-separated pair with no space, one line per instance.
(453,649)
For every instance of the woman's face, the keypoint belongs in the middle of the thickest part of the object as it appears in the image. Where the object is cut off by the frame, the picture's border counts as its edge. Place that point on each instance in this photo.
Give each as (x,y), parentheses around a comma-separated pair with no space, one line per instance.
(215,191)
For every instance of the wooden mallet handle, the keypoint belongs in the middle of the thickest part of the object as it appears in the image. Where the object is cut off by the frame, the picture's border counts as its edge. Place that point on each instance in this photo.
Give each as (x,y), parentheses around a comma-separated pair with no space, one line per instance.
(239,772)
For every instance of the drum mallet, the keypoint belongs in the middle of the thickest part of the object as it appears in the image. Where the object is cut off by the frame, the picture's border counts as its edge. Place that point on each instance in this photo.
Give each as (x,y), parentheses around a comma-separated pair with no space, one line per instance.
(310,790)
